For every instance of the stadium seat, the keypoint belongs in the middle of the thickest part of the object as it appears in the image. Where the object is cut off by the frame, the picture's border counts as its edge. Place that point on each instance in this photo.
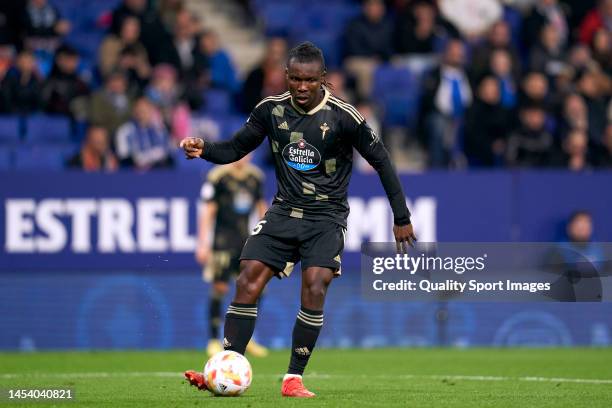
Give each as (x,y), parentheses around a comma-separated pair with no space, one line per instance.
(230,125)
(86,43)
(5,158)
(48,128)
(278,17)
(9,129)
(396,91)
(217,102)
(41,156)
(329,43)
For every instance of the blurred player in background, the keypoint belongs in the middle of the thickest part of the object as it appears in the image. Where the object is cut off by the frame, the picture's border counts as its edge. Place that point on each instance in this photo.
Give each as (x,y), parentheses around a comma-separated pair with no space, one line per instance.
(579,261)
(230,195)
(312,135)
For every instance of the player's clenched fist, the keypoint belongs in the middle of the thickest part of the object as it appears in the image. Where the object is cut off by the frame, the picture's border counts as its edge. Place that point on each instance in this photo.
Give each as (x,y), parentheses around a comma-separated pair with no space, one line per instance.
(193,147)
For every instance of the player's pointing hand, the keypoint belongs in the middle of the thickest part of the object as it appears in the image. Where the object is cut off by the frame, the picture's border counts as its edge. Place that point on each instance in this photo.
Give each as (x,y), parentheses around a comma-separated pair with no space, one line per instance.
(193,147)
(404,234)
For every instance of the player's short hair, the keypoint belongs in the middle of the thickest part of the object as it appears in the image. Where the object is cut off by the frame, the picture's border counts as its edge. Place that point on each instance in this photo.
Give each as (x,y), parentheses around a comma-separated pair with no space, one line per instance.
(306,52)
(579,213)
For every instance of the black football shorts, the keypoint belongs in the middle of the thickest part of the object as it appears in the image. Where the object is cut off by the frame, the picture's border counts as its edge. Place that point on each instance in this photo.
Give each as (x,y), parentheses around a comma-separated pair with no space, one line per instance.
(224,265)
(281,241)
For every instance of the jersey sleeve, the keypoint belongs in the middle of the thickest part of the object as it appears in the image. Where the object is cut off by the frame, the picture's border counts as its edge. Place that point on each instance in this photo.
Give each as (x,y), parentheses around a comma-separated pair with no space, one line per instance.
(208,192)
(244,141)
(369,145)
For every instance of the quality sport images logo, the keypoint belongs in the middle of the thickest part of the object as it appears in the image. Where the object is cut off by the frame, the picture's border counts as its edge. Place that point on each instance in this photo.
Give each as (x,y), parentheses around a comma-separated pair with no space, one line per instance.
(301,156)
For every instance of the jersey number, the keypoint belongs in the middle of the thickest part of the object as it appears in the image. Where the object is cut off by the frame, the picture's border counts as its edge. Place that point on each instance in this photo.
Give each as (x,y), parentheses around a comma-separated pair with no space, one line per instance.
(258,227)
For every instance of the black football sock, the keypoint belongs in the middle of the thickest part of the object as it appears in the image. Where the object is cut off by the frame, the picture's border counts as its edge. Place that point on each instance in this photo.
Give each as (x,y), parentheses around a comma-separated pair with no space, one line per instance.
(239,325)
(305,333)
(214,318)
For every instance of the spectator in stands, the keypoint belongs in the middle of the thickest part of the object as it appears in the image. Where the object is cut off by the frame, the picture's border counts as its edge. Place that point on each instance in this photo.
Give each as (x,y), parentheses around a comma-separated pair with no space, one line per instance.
(168,10)
(473,18)
(110,106)
(166,93)
(597,18)
(603,152)
(498,38)
(95,154)
(545,12)
(501,67)
(137,68)
(487,125)
(579,57)
(602,50)
(143,142)
(21,87)
(63,86)
(574,154)
(184,43)
(337,80)
(446,96)
(43,25)
(11,13)
(153,35)
(109,53)
(592,86)
(221,70)
(274,82)
(253,87)
(574,115)
(534,89)
(367,42)
(547,55)
(416,30)
(530,144)
(7,55)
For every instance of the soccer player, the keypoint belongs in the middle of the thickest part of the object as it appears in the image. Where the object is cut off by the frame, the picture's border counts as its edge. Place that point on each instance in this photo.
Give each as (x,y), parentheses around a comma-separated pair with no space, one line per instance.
(230,195)
(312,135)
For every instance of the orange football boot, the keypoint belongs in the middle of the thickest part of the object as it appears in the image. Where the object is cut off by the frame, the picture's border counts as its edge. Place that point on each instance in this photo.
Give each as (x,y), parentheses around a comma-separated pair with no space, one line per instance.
(196,379)
(293,387)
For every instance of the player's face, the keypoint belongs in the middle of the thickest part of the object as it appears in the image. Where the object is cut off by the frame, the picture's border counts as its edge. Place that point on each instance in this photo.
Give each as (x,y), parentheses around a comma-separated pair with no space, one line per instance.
(304,81)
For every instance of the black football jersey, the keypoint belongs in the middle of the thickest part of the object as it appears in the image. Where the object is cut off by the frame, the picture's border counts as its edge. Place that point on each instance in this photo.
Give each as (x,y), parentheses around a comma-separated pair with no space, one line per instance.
(236,195)
(313,156)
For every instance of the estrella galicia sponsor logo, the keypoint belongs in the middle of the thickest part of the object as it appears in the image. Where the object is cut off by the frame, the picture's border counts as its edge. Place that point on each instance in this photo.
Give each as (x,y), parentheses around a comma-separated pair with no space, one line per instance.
(301,155)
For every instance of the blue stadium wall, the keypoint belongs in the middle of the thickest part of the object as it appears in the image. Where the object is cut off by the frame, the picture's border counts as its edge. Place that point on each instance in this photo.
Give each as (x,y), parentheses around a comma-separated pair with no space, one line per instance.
(105,261)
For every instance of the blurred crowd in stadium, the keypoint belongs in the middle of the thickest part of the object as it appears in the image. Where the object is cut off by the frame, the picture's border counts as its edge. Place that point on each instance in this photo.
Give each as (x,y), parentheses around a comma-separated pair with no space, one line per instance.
(100,85)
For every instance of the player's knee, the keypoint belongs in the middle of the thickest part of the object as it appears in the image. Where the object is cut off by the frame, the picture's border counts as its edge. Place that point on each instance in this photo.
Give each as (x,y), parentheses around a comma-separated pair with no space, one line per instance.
(315,291)
(247,287)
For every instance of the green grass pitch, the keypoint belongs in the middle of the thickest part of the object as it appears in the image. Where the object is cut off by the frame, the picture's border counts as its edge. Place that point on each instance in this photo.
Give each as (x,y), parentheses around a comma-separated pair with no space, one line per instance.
(415,377)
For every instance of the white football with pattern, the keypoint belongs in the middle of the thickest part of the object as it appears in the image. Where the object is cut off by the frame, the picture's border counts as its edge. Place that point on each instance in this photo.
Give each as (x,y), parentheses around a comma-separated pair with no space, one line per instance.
(228,374)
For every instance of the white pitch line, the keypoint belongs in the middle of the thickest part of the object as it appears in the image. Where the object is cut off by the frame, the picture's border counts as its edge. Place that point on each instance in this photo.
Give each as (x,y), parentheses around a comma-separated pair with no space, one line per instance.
(171,374)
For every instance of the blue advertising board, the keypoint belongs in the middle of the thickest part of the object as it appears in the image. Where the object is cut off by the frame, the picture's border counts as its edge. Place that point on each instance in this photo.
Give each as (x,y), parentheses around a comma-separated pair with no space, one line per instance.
(106,261)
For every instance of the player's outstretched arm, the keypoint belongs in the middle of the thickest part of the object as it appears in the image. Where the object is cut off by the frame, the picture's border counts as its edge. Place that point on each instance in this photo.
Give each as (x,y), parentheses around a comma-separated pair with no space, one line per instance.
(372,149)
(404,235)
(193,147)
(244,141)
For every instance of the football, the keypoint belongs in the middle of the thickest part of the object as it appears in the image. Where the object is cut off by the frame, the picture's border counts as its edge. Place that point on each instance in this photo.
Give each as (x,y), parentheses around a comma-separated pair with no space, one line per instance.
(228,374)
